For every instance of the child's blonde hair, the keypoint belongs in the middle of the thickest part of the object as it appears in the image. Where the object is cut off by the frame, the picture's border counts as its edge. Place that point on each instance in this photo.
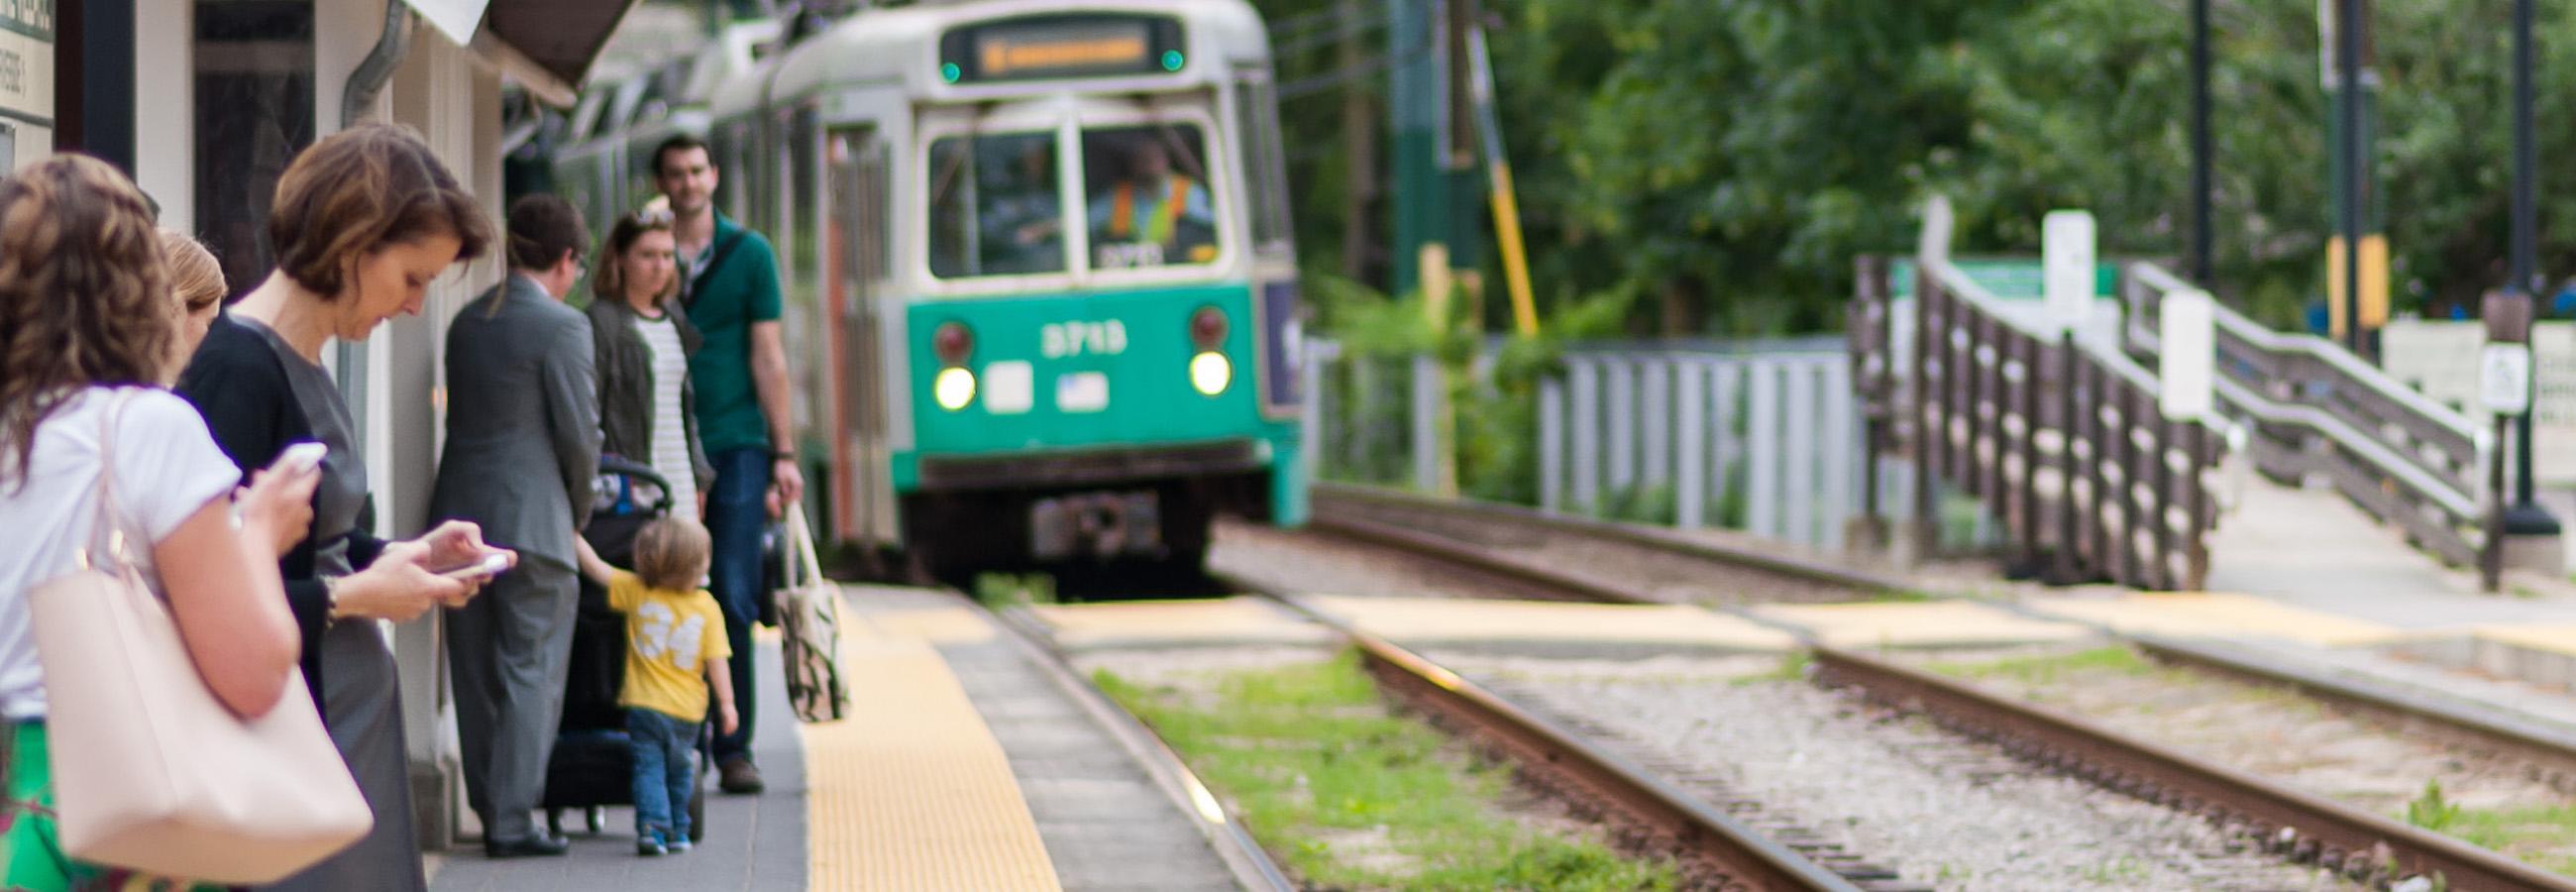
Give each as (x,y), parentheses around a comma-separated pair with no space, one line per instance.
(672,553)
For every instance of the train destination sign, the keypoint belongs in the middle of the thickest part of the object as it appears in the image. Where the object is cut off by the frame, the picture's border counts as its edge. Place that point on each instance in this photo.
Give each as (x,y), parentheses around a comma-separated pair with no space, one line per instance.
(1060,46)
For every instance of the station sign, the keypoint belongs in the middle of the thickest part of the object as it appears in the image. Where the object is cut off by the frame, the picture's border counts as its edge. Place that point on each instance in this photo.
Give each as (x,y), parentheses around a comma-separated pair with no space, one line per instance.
(1062,46)
(26,80)
(2504,378)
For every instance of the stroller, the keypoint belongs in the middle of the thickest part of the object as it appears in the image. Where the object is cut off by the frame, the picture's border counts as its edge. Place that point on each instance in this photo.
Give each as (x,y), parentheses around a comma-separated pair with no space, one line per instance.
(592,766)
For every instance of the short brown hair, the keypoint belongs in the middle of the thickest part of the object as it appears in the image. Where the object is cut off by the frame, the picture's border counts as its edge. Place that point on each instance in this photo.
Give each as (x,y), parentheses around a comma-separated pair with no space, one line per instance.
(679,143)
(672,553)
(84,300)
(607,279)
(542,229)
(194,274)
(361,190)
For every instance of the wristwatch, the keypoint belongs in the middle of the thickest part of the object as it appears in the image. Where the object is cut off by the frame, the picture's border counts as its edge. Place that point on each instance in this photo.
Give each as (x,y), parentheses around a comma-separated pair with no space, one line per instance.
(783,455)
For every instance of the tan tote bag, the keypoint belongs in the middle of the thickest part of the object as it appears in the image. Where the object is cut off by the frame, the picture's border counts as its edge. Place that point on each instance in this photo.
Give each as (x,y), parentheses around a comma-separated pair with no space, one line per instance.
(151,772)
(809,625)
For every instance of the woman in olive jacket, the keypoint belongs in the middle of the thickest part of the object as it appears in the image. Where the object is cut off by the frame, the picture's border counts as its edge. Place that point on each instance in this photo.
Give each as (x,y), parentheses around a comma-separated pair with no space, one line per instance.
(643,340)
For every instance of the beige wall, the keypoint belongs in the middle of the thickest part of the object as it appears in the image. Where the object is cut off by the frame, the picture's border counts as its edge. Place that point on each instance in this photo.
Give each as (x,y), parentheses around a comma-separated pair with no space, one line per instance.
(454,101)
(164,108)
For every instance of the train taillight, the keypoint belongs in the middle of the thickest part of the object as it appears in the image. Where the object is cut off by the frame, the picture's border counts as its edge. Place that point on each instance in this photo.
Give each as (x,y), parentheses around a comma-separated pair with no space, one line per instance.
(1207,328)
(952,343)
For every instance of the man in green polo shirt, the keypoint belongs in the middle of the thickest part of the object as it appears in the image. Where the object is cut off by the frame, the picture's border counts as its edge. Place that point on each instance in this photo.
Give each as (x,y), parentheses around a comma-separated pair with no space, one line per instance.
(729,285)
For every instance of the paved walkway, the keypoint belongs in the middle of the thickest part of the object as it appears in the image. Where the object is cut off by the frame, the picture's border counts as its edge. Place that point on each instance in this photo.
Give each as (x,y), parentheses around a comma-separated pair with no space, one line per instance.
(753,842)
(2311,548)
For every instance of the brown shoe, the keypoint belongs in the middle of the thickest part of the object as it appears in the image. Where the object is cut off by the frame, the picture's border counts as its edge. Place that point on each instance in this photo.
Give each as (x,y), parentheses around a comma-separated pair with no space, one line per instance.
(738,775)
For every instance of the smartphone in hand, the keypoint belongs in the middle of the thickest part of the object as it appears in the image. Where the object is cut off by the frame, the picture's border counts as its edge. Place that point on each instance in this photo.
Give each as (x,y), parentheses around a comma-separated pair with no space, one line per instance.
(491,565)
(302,457)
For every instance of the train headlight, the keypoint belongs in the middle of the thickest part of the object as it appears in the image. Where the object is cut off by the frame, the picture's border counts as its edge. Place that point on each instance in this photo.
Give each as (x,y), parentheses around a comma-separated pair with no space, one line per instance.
(954,388)
(1210,373)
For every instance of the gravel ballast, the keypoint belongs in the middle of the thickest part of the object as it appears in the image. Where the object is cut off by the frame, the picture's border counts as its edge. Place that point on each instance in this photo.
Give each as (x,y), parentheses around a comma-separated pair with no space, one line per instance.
(1941,810)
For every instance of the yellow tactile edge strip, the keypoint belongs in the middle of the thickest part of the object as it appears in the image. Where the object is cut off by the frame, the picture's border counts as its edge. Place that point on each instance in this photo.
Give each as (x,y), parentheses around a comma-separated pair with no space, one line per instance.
(911,791)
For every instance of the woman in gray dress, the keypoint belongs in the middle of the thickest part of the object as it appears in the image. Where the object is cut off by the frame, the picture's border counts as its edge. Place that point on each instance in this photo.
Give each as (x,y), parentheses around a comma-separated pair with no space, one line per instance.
(362,222)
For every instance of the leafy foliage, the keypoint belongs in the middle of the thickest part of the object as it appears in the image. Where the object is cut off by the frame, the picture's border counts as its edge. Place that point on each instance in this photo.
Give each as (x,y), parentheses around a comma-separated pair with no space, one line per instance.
(1726,159)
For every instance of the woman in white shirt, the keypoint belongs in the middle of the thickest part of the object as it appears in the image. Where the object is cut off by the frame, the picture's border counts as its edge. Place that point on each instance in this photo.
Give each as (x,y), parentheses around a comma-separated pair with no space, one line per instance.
(642,339)
(88,330)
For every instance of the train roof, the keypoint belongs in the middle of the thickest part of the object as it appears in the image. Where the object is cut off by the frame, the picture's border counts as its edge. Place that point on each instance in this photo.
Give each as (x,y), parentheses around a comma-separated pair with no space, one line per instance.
(900,46)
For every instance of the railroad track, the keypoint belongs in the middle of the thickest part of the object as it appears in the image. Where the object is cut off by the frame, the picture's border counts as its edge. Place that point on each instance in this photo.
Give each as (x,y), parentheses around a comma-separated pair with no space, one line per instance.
(1689,569)
(1654,817)
(2300,827)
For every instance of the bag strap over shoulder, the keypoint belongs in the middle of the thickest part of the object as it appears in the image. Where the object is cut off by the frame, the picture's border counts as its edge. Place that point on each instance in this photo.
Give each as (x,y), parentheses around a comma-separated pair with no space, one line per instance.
(723,251)
(108,516)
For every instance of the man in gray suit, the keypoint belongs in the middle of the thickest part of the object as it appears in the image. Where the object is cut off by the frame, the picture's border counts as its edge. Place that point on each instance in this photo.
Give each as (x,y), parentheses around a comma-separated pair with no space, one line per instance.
(522,444)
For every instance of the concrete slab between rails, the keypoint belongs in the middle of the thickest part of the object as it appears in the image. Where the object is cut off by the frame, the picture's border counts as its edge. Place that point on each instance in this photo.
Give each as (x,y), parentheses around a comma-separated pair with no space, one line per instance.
(1444,620)
(1235,620)
(1927,624)
(2215,615)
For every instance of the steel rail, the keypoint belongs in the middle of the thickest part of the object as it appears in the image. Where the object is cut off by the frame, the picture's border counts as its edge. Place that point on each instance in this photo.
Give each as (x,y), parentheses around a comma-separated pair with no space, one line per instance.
(1251,865)
(1665,818)
(1804,570)
(2303,826)
(2298,825)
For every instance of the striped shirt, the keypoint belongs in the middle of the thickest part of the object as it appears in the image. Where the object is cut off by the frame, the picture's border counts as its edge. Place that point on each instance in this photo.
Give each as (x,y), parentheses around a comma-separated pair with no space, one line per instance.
(670,432)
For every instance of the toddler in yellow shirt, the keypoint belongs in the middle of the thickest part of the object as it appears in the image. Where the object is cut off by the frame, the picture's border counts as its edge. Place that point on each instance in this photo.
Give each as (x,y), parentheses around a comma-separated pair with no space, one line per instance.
(675,652)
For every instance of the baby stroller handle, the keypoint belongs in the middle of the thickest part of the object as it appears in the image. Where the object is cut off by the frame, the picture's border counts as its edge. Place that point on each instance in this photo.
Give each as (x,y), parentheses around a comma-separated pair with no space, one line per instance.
(627,472)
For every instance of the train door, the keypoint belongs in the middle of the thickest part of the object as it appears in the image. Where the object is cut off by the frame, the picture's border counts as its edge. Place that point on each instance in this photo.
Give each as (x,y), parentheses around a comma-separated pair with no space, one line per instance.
(1274,250)
(858,233)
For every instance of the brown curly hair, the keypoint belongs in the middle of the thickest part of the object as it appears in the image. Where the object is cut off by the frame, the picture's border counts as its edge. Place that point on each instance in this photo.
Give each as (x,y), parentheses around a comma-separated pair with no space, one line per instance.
(360,190)
(84,296)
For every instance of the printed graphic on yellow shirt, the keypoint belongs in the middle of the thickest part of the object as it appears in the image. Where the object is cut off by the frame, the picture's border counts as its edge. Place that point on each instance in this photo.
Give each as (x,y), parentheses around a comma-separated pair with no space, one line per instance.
(670,637)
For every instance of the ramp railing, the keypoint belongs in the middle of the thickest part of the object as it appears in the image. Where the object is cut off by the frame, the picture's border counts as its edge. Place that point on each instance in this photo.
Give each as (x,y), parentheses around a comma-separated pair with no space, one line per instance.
(2315,410)
(2053,429)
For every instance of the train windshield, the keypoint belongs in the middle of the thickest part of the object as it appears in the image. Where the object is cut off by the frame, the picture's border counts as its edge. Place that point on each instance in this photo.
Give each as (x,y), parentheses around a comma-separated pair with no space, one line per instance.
(1147,197)
(995,206)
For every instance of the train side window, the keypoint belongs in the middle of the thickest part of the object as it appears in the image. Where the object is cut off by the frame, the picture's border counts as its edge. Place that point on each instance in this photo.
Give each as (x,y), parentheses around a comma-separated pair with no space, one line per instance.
(1147,195)
(995,208)
(1264,158)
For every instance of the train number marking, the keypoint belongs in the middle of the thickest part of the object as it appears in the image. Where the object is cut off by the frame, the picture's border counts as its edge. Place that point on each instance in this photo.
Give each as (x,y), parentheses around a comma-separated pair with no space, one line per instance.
(1058,340)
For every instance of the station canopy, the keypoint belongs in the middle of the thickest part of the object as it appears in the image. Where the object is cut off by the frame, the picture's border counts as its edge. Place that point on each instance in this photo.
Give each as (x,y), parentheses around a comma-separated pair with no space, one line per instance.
(546,45)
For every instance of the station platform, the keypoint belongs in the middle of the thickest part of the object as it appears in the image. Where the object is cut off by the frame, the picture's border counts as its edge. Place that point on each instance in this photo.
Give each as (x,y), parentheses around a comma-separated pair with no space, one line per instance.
(965,764)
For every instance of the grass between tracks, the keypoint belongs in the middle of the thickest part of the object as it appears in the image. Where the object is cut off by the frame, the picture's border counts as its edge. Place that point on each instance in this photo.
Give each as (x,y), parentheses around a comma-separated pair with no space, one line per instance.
(2117,658)
(1348,795)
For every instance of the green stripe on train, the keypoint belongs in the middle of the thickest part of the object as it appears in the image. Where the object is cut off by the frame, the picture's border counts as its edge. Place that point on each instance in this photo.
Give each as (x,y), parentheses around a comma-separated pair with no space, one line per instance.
(1084,370)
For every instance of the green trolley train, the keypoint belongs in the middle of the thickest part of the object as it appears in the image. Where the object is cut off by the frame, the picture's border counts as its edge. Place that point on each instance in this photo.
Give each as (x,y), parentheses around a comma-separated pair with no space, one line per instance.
(1041,288)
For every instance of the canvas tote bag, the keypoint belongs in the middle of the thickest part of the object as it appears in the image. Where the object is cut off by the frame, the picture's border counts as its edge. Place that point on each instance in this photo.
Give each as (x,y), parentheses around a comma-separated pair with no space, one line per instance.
(151,772)
(809,611)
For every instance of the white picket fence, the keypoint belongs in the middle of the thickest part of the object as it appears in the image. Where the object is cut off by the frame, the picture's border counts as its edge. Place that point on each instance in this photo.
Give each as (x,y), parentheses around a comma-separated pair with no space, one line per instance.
(1764,437)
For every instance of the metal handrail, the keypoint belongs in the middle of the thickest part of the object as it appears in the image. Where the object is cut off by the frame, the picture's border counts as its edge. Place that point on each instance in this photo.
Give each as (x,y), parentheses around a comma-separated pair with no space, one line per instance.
(2465,494)
(1958,281)
(2056,429)
(2316,347)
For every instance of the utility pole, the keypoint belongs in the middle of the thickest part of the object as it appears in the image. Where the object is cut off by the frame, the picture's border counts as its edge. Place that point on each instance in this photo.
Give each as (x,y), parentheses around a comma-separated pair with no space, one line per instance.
(2358,255)
(1435,147)
(2201,273)
(1418,101)
(1359,148)
(2526,517)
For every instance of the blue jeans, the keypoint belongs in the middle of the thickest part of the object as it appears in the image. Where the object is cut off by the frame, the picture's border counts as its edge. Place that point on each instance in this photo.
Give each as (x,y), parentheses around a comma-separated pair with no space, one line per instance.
(736,514)
(664,779)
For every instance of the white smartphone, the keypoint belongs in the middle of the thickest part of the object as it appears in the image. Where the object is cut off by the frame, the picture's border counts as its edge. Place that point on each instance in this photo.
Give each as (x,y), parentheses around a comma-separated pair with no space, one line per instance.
(302,457)
(490,565)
